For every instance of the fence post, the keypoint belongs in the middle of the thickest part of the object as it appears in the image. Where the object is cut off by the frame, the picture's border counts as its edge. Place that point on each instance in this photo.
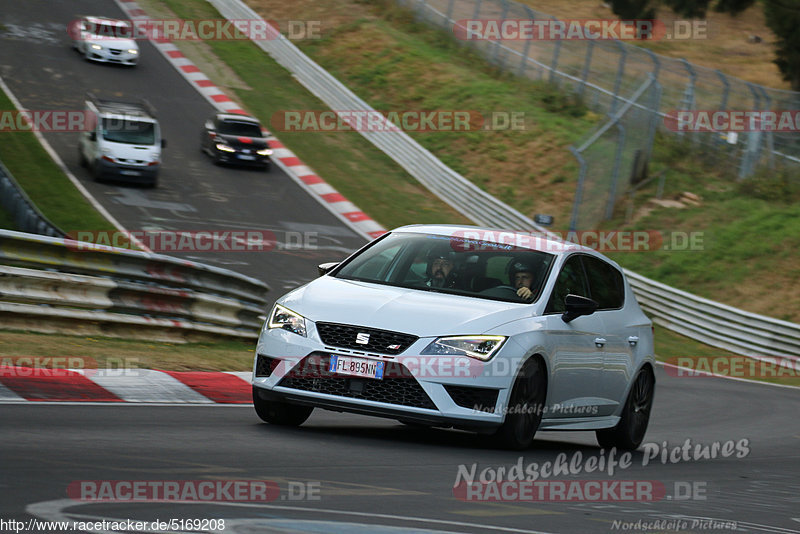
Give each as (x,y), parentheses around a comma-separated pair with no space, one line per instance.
(655,103)
(723,103)
(524,62)
(620,71)
(688,93)
(612,193)
(450,11)
(576,204)
(770,140)
(554,63)
(499,42)
(477,12)
(586,63)
(753,141)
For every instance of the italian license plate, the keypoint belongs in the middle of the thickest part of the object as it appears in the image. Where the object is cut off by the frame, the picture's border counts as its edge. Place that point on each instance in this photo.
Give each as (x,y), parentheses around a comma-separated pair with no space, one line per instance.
(350,365)
(245,156)
(130,173)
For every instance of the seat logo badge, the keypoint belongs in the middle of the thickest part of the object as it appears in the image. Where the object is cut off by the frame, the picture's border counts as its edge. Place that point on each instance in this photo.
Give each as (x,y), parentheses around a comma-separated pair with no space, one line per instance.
(362,338)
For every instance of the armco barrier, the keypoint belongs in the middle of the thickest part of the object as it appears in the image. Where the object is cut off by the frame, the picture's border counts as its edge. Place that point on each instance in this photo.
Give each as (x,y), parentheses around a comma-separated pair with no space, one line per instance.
(707,321)
(115,286)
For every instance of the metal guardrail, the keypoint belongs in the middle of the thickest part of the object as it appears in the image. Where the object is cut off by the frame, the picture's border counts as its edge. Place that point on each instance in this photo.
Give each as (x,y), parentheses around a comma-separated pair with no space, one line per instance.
(707,321)
(26,215)
(113,286)
(715,324)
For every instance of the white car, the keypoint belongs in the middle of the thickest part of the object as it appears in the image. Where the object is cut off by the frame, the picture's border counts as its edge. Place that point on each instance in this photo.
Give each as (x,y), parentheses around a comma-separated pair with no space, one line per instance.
(104,40)
(430,325)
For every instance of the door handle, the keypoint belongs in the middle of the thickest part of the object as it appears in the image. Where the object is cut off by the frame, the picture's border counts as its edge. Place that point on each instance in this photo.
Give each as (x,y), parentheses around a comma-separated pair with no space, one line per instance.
(599,342)
(633,340)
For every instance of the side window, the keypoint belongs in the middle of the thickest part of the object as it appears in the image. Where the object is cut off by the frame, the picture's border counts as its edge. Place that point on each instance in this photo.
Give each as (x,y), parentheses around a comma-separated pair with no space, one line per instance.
(571,280)
(605,283)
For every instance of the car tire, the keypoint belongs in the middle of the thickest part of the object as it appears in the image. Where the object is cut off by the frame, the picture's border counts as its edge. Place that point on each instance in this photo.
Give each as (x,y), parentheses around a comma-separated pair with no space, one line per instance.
(525,407)
(280,413)
(629,432)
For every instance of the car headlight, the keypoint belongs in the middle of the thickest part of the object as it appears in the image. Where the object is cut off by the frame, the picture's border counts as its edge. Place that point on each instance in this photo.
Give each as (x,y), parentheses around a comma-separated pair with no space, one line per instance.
(225,148)
(286,319)
(133,51)
(264,152)
(478,347)
(96,47)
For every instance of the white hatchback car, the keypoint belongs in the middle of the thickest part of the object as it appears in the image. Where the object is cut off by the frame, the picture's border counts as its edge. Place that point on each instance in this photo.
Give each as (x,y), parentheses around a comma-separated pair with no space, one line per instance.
(454,326)
(104,40)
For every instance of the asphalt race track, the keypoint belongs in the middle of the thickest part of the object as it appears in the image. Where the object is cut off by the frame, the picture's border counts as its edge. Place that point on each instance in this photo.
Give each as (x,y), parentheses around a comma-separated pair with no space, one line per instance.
(379,473)
(44,73)
(339,472)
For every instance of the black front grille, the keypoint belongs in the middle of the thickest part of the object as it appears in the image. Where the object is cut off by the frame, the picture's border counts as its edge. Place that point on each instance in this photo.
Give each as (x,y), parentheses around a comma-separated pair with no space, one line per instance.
(481,399)
(265,365)
(380,341)
(397,386)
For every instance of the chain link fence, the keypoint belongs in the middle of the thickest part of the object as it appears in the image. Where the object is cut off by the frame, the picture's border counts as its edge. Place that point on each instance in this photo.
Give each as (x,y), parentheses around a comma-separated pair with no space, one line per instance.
(608,75)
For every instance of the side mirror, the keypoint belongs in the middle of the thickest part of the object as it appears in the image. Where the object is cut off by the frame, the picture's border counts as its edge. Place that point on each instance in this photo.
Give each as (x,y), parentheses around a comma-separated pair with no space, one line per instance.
(93,136)
(325,268)
(577,306)
(163,143)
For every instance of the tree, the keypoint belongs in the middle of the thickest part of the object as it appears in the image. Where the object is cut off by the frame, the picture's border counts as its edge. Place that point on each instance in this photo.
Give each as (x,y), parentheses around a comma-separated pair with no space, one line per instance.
(734,7)
(634,9)
(783,18)
(693,9)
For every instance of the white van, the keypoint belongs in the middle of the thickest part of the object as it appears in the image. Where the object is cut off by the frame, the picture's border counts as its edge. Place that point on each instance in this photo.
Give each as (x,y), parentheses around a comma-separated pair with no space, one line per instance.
(122,141)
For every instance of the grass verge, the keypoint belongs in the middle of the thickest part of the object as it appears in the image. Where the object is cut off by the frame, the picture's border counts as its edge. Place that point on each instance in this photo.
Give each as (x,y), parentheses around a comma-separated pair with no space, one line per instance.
(105,352)
(44,182)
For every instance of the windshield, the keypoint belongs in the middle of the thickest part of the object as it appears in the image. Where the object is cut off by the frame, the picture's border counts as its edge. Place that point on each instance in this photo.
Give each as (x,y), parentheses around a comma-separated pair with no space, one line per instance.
(129,131)
(241,129)
(451,265)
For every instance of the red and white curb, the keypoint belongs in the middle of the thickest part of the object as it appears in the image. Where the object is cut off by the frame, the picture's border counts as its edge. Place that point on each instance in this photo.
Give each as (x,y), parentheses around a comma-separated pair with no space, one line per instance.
(25,384)
(334,201)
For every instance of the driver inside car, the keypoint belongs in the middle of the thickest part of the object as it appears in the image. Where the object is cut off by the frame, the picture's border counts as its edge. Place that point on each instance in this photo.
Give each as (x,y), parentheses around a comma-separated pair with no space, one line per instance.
(520,274)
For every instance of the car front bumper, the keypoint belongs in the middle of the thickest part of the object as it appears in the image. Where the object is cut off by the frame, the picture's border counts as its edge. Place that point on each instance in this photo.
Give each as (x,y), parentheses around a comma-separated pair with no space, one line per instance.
(112,55)
(434,390)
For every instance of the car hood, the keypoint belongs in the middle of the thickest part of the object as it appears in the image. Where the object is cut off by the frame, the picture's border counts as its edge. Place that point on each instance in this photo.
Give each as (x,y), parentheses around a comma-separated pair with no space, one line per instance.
(237,141)
(418,312)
